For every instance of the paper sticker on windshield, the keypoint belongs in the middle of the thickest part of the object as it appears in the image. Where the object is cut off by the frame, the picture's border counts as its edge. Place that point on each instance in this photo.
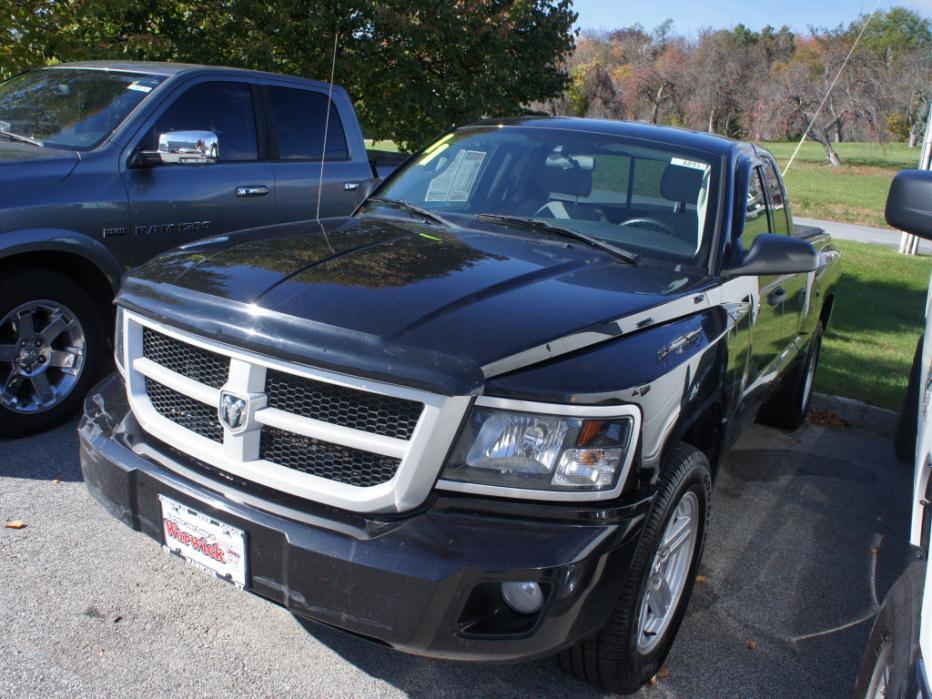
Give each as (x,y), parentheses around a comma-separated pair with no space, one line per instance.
(138,87)
(456,181)
(695,165)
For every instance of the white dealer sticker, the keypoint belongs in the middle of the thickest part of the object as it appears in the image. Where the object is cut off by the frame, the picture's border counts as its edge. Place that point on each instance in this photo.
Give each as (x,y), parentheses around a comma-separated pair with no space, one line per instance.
(682,162)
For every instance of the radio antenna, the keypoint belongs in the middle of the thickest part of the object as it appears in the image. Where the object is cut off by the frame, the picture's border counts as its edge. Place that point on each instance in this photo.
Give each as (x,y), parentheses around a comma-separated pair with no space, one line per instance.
(323,155)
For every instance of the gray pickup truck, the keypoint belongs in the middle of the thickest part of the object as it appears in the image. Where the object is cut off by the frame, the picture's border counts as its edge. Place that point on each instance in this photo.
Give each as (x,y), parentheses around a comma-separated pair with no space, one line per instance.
(105,164)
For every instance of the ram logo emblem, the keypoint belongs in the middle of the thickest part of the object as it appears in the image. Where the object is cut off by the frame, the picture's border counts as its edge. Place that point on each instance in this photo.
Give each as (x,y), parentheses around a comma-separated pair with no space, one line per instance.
(234,411)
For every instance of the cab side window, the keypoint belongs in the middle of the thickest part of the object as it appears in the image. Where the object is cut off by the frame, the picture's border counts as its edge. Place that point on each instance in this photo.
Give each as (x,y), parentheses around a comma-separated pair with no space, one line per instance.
(222,107)
(781,223)
(755,215)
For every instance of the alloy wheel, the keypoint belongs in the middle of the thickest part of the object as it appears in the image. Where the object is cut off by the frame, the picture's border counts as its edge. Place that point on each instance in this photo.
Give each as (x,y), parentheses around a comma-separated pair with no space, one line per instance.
(42,356)
(667,576)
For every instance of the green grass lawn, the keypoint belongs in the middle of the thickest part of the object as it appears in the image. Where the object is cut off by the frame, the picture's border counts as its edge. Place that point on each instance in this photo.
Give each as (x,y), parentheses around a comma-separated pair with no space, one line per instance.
(390,146)
(878,317)
(854,193)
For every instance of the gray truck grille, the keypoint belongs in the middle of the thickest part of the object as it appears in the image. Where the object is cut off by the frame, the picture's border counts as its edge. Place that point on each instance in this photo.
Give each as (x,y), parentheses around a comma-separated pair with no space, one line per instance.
(198,364)
(369,412)
(325,460)
(187,412)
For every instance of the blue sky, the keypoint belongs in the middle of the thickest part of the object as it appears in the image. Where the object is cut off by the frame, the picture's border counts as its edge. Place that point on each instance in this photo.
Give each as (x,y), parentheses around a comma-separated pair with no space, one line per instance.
(691,15)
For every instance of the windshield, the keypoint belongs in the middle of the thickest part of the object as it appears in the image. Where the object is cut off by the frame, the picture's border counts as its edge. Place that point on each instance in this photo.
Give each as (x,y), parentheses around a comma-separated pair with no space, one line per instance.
(70,107)
(651,198)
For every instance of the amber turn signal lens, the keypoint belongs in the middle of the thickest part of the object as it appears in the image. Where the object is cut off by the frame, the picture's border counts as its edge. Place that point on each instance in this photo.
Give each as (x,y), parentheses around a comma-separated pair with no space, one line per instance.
(590,430)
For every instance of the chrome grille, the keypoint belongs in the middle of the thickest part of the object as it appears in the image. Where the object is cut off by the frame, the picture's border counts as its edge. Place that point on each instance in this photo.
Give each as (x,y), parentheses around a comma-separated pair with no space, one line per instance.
(326,460)
(198,364)
(359,410)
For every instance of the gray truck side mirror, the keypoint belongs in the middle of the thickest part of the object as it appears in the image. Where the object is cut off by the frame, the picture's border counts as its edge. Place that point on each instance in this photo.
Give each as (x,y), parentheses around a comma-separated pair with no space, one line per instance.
(909,203)
(775,254)
(184,148)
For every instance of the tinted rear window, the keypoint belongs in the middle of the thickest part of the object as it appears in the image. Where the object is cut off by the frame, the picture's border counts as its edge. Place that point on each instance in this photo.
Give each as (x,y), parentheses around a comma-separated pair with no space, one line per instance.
(299,117)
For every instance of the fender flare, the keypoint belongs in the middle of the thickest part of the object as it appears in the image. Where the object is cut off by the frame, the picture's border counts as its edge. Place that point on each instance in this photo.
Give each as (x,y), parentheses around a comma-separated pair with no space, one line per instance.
(62,240)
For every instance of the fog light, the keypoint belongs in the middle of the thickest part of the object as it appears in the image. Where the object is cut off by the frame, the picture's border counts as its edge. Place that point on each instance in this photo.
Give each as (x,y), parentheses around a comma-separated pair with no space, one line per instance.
(523,597)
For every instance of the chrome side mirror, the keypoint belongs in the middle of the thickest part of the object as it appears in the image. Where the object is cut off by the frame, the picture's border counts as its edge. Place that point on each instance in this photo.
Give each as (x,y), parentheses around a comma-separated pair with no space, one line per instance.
(184,148)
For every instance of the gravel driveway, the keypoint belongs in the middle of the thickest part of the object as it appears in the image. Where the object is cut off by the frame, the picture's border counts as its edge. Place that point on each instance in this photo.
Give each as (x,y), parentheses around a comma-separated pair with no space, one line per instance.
(808,531)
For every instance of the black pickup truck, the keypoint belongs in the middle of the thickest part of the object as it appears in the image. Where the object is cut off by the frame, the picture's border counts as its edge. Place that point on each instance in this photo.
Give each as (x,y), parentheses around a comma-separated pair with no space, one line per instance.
(479,419)
(105,164)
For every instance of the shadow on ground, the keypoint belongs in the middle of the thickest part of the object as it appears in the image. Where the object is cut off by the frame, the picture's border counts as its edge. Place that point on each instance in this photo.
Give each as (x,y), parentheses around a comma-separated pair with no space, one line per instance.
(51,455)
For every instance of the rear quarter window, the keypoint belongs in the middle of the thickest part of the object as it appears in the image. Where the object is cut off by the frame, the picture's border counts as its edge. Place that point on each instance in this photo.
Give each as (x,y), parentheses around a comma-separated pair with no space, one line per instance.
(299,118)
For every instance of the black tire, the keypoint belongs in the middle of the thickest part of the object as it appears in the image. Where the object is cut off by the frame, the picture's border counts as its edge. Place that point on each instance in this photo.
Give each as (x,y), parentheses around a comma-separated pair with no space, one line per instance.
(787,408)
(31,285)
(611,659)
(892,649)
(907,422)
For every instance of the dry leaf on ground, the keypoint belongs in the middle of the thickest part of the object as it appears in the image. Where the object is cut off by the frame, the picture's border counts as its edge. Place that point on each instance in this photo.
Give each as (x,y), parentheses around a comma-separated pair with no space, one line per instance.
(825,418)
(752,645)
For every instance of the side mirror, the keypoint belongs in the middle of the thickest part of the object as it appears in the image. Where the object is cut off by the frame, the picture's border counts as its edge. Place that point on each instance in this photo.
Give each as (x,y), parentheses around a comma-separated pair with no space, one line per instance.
(775,254)
(184,148)
(909,203)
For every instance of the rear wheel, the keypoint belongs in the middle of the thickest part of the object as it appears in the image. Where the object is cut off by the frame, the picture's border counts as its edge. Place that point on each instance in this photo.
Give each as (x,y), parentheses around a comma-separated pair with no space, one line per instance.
(787,407)
(907,422)
(637,635)
(51,348)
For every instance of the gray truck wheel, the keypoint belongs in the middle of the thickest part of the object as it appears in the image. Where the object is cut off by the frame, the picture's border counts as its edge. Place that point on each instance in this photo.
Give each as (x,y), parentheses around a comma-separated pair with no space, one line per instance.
(51,347)
(638,633)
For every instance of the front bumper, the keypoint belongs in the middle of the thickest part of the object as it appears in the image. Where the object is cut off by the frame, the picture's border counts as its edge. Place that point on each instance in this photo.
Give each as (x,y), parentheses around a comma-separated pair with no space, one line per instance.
(425,583)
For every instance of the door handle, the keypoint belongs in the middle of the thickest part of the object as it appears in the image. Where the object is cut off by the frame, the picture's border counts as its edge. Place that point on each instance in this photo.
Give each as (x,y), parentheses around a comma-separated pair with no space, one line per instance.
(350,186)
(259,190)
(776,296)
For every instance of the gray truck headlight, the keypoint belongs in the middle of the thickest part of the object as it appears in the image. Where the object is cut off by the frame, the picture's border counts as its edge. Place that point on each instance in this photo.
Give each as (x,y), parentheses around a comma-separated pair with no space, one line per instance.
(119,345)
(542,452)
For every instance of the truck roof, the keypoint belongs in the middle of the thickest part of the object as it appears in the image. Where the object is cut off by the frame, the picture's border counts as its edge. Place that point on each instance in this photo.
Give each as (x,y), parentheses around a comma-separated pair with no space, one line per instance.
(700,140)
(172,69)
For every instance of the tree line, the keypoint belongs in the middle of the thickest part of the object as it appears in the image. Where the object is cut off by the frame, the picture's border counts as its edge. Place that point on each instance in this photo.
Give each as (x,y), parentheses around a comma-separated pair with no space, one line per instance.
(413,67)
(416,68)
(761,85)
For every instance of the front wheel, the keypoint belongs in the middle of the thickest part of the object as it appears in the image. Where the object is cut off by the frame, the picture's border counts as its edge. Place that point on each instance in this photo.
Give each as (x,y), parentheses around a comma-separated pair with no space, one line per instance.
(637,635)
(52,346)
(888,666)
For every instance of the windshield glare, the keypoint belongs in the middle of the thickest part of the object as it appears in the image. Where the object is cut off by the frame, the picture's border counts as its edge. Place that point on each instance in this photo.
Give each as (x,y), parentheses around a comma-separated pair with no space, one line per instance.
(70,107)
(648,197)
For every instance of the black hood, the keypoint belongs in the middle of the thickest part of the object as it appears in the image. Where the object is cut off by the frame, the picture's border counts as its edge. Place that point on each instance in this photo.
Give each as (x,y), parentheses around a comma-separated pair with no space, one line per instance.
(463,297)
(19,161)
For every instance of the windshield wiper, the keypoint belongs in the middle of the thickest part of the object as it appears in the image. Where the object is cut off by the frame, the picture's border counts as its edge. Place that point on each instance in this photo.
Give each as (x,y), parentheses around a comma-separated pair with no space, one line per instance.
(21,139)
(622,254)
(426,214)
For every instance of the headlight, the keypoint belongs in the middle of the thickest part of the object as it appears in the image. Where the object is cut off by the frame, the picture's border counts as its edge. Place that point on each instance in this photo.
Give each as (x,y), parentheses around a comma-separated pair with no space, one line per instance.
(541,452)
(119,348)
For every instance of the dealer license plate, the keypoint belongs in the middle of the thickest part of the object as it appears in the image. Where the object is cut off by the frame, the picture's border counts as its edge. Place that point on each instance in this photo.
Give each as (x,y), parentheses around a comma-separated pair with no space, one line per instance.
(212,546)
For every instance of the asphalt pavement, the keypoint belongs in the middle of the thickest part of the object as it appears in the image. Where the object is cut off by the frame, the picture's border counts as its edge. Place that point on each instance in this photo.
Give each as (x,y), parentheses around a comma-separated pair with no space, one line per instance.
(808,531)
